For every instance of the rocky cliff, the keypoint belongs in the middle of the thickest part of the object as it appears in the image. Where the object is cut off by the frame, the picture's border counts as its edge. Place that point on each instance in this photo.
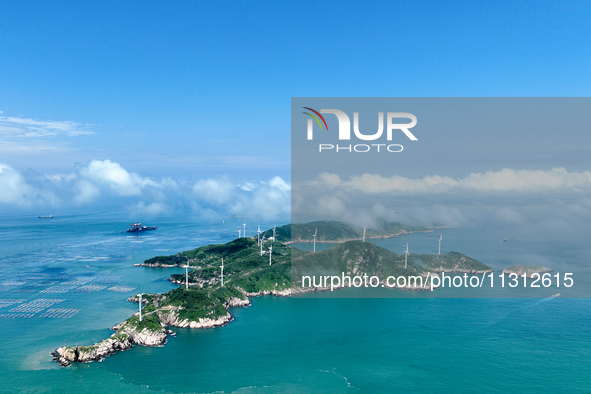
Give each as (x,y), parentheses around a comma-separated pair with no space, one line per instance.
(124,338)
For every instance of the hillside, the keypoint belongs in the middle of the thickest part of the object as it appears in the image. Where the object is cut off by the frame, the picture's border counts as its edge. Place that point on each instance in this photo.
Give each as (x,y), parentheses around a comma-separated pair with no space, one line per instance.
(450,262)
(358,258)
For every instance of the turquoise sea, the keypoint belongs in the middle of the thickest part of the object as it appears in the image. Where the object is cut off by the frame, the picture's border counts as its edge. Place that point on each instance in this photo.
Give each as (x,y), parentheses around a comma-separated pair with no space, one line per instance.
(65,280)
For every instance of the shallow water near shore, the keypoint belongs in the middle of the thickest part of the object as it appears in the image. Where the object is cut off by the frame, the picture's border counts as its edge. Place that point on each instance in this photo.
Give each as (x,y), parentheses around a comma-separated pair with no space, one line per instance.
(277,344)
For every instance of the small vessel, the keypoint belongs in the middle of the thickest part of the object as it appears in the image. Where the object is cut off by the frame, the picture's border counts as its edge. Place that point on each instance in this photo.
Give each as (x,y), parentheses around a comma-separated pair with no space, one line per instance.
(46,217)
(138,228)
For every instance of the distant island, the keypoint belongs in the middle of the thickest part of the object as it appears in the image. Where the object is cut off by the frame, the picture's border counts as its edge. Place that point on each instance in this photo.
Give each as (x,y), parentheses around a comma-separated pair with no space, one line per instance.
(332,231)
(251,270)
(528,270)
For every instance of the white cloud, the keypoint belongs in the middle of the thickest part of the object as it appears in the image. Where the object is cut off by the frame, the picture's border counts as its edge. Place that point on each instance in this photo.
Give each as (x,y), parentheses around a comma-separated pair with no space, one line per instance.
(11,126)
(279,184)
(505,180)
(169,183)
(13,187)
(61,177)
(112,175)
(86,192)
(267,200)
(106,182)
(330,206)
(214,191)
(15,190)
(255,199)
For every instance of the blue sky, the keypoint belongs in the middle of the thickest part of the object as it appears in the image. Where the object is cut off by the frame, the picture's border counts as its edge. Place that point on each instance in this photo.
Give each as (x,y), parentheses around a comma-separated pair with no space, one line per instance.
(170,94)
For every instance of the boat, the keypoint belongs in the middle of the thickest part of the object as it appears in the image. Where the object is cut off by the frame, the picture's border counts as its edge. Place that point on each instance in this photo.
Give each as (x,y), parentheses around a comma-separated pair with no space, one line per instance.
(46,217)
(138,228)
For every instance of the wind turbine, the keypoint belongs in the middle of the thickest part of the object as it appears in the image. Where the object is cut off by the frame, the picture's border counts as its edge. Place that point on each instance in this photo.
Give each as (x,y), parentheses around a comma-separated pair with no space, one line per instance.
(187,276)
(315,233)
(363,234)
(440,238)
(244,224)
(274,233)
(258,233)
(239,233)
(140,297)
(406,256)
(270,252)
(262,242)
(222,272)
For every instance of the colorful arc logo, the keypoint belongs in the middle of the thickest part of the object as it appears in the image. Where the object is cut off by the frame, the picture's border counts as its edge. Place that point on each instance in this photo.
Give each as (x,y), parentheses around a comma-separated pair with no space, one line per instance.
(315,118)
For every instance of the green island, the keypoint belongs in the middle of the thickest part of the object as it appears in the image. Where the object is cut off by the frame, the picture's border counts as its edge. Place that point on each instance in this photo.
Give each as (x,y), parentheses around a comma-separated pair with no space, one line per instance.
(528,270)
(253,269)
(332,231)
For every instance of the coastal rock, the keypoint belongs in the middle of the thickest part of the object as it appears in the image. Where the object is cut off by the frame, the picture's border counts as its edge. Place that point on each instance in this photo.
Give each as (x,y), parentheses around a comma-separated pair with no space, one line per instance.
(156,265)
(150,338)
(171,318)
(84,354)
(136,299)
(124,339)
(234,302)
(279,293)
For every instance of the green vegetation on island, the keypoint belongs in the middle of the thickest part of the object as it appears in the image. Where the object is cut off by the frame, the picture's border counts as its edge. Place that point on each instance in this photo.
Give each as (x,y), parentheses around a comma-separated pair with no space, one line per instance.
(528,270)
(450,262)
(246,265)
(353,258)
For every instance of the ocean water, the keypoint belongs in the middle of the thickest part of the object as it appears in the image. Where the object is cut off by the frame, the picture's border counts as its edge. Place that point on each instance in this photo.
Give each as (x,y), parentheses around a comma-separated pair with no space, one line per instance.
(65,280)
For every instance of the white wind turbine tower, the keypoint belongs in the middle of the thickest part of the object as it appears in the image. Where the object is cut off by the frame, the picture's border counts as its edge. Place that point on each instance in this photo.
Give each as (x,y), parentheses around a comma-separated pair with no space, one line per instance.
(187,276)
(222,266)
(440,238)
(262,242)
(258,233)
(363,234)
(140,297)
(239,233)
(244,224)
(274,233)
(406,256)
(315,233)
(270,252)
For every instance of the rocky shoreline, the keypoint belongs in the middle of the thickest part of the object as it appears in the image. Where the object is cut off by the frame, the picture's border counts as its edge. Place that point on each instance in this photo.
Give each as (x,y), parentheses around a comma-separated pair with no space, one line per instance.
(278,293)
(124,338)
(126,335)
(156,265)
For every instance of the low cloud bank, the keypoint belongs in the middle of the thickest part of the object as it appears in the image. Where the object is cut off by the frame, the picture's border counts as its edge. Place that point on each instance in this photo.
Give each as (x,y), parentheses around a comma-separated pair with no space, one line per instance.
(505,180)
(104,182)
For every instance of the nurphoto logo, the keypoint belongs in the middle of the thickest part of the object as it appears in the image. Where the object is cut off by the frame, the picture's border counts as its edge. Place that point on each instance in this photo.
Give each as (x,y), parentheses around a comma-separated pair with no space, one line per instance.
(391,125)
